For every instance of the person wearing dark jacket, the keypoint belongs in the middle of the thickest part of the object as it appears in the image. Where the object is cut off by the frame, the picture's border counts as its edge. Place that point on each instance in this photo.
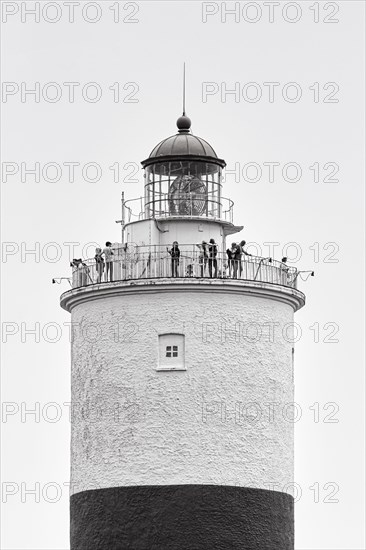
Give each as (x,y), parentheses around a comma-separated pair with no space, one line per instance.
(175,255)
(212,257)
(235,259)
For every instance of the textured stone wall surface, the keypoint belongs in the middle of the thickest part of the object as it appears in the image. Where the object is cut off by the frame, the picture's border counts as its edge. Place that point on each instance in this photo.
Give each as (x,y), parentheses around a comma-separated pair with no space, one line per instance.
(226,420)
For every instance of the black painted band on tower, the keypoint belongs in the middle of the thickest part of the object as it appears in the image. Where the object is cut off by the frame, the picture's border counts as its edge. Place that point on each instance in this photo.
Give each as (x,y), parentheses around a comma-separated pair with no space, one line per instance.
(182,517)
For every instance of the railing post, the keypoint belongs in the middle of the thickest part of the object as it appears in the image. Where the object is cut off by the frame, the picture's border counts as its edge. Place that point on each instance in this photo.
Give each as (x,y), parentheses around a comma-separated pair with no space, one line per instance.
(259,266)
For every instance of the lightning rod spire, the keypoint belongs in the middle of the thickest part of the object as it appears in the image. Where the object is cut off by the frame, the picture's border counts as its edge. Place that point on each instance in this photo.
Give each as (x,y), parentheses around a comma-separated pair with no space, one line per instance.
(184,122)
(184,89)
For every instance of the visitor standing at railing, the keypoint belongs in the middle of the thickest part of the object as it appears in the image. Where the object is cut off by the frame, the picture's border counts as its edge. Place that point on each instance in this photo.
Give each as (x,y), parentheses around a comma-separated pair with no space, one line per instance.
(78,272)
(202,258)
(236,258)
(108,256)
(81,273)
(175,255)
(212,257)
(99,264)
(229,261)
(243,253)
(284,271)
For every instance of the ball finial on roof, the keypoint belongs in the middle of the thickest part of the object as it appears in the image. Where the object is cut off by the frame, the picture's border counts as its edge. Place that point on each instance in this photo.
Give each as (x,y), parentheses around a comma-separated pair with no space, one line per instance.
(183,124)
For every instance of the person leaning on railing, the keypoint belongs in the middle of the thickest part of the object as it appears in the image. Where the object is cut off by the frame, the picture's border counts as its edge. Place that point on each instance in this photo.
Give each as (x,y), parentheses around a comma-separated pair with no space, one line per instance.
(81,273)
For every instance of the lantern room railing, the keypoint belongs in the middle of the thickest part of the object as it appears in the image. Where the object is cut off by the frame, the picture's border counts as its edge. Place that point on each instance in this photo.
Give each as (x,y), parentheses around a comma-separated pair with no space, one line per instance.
(159,264)
(186,205)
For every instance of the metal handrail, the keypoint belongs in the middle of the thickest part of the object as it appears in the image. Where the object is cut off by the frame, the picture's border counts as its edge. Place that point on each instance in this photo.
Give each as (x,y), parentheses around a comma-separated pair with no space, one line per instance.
(131,265)
(160,207)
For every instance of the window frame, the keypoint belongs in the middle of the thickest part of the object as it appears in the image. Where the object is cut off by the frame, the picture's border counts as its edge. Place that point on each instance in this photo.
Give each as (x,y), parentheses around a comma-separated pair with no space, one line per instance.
(171,352)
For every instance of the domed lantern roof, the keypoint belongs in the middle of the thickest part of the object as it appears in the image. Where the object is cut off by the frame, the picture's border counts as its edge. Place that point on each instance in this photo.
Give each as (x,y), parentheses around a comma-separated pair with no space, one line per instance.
(184,145)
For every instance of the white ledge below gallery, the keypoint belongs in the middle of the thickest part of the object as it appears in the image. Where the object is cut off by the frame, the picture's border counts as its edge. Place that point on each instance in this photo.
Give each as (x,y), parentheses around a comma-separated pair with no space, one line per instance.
(279,293)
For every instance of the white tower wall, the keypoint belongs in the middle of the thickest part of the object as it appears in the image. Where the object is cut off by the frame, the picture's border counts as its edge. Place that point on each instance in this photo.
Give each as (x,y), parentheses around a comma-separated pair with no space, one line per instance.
(224,420)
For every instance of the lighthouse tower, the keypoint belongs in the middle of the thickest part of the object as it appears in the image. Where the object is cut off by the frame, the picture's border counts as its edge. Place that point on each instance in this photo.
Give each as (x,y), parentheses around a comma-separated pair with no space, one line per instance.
(182,373)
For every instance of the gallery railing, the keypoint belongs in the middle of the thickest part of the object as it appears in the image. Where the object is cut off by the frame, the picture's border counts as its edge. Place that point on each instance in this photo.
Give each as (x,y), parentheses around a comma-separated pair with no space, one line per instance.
(156,265)
(187,205)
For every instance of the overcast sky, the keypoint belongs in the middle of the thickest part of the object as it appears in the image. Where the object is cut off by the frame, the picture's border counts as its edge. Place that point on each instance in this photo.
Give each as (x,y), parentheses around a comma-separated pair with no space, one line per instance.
(307,78)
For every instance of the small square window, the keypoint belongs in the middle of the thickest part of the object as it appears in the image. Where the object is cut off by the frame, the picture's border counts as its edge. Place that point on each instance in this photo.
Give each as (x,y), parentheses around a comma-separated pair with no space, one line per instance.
(169,351)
